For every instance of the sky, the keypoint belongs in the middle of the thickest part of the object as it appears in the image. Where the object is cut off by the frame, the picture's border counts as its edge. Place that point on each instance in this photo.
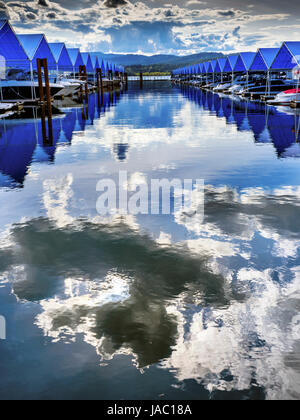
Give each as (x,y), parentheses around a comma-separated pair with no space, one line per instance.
(158,27)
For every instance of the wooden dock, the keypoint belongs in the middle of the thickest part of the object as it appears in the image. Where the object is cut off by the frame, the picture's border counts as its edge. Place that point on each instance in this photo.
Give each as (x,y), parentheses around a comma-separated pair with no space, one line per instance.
(295,104)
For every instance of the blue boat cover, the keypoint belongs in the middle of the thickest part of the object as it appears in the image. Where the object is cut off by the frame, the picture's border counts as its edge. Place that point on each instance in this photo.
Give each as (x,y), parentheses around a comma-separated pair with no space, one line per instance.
(95,61)
(36,46)
(244,61)
(11,48)
(76,58)
(205,67)
(211,66)
(61,56)
(230,63)
(103,67)
(288,57)
(220,65)
(87,62)
(264,59)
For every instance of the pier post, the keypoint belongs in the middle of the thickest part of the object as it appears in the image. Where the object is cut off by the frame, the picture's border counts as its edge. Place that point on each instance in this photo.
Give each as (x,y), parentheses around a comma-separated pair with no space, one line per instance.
(42,63)
(86,83)
(40,79)
(141,80)
(83,77)
(112,79)
(101,81)
(47,85)
(98,79)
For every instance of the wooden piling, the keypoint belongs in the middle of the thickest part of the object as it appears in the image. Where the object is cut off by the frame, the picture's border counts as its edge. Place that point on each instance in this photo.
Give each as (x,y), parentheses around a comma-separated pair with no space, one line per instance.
(101,81)
(83,77)
(98,79)
(43,63)
(40,79)
(141,79)
(47,85)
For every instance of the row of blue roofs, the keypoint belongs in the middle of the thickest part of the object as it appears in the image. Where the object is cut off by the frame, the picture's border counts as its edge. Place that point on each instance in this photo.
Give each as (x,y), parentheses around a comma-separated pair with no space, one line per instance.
(22,51)
(285,58)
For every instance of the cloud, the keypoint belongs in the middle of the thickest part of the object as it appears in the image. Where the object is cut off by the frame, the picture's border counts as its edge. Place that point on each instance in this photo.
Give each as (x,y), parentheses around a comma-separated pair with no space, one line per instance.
(174,28)
(228,13)
(4,14)
(42,3)
(114,3)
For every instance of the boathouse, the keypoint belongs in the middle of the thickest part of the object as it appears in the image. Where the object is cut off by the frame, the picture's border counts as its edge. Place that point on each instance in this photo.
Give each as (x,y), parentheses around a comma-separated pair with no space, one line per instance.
(76,59)
(61,55)
(36,46)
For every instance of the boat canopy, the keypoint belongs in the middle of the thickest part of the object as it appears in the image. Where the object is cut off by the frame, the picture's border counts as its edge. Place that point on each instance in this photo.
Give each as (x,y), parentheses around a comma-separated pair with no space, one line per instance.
(244,61)
(11,48)
(264,59)
(205,67)
(288,56)
(103,66)
(211,66)
(36,46)
(95,61)
(88,62)
(220,65)
(61,56)
(76,58)
(230,63)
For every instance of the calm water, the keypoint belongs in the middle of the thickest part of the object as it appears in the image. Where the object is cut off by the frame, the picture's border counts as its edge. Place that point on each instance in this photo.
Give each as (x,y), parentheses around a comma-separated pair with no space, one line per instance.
(152,307)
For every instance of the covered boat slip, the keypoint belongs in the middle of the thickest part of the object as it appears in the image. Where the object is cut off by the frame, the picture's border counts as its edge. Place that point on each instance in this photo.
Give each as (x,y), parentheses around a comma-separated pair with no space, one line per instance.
(19,69)
(264,74)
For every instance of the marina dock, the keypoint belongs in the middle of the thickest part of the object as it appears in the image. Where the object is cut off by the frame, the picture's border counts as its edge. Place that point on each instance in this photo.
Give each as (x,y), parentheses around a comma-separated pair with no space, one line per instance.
(270,75)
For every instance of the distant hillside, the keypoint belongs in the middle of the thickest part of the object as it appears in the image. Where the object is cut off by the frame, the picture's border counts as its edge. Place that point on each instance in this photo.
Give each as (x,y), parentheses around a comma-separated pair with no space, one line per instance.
(157,63)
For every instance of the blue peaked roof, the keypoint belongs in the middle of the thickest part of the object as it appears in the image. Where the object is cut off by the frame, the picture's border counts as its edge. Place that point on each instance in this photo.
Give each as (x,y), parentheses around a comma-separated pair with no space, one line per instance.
(205,67)
(61,55)
(56,49)
(95,61)
(244,61)
(11,48)
(36,46)
(220,65)
(211,66)
(87,62)
(76,58)
(230,63)
(288,57)
(30,43)
(264,59)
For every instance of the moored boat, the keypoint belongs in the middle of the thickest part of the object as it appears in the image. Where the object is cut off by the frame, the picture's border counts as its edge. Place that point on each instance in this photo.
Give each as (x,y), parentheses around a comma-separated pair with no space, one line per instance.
(24,90)
(286,97)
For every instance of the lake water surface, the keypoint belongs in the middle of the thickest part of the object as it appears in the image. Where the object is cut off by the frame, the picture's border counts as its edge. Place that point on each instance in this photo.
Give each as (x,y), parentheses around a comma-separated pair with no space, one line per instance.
(151,306)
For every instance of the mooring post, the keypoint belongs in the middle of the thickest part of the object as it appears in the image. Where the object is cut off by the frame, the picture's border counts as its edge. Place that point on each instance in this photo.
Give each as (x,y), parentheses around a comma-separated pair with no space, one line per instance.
(86,83)
(40,79)
(126,80)
(101,81)
(98,79)
(47,86)
(141,80)
(112,79)
(83,78)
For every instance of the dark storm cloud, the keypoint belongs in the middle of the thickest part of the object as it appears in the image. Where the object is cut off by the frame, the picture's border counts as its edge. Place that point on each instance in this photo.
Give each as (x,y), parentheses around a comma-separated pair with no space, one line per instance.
(114,3)
(4,14)
(31,16)
(228,13)
(42,3)
(156,26)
